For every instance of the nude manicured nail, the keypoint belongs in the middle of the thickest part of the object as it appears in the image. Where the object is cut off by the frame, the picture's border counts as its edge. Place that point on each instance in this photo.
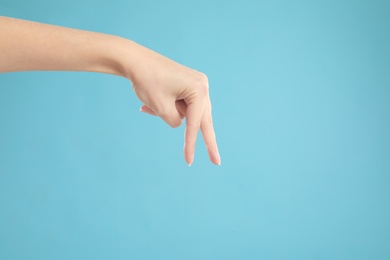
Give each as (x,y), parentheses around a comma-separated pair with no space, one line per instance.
(219,159)
(192,160)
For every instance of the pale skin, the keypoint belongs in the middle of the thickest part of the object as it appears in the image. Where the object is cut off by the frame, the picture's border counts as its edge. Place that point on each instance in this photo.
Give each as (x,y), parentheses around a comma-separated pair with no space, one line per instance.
(166,88)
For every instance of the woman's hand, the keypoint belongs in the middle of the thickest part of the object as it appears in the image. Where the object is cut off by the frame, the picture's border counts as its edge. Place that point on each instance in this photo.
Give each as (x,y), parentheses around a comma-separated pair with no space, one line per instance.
(167,89)
(172,91)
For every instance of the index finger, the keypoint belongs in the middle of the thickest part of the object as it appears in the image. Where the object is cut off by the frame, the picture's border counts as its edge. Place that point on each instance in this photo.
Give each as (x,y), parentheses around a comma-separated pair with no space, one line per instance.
(194,116)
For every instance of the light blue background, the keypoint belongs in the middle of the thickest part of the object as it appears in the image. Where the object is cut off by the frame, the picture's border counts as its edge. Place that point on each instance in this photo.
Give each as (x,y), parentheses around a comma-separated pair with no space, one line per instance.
(301,101)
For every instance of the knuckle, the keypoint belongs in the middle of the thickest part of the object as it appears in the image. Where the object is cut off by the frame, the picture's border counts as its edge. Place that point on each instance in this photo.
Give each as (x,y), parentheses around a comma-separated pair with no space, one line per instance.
(203,78)
(191,124)
(202,83)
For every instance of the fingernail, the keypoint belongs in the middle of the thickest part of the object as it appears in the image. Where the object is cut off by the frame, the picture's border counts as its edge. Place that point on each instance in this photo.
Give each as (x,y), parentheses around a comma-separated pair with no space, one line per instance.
(219,159)
(192,160)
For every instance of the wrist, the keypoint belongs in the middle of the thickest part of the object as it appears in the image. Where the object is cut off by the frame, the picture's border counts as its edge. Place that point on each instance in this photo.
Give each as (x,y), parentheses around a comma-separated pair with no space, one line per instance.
(111,56)
(127,55)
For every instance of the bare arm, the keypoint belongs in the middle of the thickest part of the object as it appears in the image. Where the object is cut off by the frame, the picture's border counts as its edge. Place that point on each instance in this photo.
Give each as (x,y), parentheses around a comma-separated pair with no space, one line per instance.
(167,89)
(27,45)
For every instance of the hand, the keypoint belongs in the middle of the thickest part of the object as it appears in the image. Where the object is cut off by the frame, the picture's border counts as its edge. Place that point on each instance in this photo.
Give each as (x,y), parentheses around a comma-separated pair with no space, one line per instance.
(167,89)
(174,92)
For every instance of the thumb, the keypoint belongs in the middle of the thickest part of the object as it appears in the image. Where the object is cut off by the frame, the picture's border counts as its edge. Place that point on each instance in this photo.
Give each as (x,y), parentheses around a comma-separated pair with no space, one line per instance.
(148,110)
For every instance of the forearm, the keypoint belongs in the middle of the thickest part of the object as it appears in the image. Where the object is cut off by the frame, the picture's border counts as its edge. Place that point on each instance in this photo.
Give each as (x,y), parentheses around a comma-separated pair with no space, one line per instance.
(26,46)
